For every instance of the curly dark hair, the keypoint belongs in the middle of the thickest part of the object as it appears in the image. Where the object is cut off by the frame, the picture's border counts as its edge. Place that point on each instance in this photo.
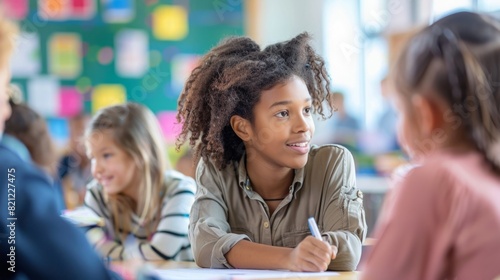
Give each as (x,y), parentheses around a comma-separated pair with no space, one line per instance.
(230,80)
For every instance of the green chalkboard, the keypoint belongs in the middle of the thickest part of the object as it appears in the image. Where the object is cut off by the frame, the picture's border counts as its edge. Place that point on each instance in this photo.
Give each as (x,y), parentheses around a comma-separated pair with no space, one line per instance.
(208,22)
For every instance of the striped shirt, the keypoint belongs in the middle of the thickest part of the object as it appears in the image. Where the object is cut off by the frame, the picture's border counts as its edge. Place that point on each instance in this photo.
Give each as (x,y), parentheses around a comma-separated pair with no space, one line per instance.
(169,241)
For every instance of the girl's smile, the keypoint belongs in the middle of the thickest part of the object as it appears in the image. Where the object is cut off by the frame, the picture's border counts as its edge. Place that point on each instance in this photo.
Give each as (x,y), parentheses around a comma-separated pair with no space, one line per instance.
(302,147)
(112,167)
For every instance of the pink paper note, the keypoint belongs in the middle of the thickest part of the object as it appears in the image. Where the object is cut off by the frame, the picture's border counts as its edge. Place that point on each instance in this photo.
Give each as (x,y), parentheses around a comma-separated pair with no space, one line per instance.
(82,9)
(71,102)
(16,9)
(169,125)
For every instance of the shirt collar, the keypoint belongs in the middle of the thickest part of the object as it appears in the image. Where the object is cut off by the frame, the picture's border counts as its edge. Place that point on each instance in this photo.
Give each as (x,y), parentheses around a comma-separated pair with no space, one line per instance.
(243,177)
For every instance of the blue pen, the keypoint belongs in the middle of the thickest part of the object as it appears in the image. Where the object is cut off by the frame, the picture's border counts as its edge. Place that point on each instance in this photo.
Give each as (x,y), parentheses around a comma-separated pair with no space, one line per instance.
(313,227)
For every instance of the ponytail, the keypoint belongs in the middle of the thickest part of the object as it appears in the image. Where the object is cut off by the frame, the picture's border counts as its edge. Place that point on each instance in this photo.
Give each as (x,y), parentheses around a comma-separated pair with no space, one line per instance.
(471,88)
(458,57)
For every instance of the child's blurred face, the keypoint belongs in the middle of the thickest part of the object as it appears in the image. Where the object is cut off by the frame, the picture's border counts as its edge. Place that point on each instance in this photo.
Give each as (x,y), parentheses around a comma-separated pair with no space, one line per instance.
(283,126)
(5,109)
(111,166)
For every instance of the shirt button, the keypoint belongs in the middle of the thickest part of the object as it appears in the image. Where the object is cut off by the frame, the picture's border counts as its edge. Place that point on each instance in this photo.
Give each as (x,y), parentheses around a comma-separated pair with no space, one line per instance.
(266,224)
(359,194)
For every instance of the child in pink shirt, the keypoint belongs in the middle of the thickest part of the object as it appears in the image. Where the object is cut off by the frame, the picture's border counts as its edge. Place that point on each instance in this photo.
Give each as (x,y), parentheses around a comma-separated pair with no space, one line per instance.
(442,220)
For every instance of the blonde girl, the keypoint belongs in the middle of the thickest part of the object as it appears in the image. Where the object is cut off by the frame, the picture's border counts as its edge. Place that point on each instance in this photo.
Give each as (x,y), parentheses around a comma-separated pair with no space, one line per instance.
(146,209)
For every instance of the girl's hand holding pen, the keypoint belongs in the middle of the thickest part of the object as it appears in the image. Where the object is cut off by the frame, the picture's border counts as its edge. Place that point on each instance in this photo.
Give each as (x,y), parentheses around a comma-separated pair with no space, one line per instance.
(311,254)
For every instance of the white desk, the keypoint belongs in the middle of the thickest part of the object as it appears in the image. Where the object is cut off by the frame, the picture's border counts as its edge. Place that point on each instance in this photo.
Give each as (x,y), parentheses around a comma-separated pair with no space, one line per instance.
(134,265)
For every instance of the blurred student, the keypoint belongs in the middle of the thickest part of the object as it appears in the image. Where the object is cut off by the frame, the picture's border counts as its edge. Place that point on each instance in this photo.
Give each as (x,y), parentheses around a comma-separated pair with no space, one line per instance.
(386,125)
(443,219)
(343,120)
(248,114)
(145,206)
(35,242)
(74,166)
(389,157)
(30,129)
(10,141)
(345,126)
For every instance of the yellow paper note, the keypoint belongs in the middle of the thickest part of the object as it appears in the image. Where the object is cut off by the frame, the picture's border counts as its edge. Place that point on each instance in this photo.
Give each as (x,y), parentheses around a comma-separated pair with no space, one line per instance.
(106,95)
(170,23)
(65,55)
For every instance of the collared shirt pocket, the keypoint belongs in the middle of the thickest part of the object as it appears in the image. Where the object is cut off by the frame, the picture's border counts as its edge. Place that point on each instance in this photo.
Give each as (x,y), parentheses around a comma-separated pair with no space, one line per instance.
(293,238)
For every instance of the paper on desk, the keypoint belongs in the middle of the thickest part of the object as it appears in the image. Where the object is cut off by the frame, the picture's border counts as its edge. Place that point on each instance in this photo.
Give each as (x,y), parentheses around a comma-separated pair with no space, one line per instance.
(232,274)
(83,217)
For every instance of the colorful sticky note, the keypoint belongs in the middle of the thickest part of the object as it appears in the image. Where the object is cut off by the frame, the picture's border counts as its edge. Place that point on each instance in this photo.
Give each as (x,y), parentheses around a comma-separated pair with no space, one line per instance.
(105,95)
(169,125)
(53,9)
(65,55)
(118,11)
(25,61)
(71,102)
(43,95)
(16,9)
(170,22)
(58,130)
(58,10)
(132,53)
(182,66)
(82,9)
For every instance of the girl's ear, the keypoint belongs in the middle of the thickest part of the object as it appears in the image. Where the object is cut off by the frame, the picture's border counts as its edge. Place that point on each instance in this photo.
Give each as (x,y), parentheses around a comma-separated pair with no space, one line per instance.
(241,127)
(427,114)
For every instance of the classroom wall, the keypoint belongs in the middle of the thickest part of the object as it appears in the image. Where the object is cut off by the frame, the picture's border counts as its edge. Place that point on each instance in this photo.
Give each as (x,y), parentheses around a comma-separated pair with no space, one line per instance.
(82,55)
(278,20)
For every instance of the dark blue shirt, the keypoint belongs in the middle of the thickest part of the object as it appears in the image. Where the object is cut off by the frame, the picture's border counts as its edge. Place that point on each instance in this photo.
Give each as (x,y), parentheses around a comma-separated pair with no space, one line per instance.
(35,241)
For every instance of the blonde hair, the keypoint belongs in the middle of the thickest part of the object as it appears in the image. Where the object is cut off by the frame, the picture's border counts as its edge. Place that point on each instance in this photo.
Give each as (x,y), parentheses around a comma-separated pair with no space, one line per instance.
(8,35)
(136,131)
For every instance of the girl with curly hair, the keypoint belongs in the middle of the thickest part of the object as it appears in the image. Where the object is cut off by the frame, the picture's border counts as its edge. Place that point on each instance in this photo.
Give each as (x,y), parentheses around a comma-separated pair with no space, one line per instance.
(248,113)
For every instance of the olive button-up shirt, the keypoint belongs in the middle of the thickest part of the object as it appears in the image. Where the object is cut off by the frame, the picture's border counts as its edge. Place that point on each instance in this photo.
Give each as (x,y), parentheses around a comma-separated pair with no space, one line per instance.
(227,210)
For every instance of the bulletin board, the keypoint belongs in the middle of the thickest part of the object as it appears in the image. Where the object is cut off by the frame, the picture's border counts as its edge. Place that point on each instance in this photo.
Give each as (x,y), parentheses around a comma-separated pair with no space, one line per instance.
(77,56)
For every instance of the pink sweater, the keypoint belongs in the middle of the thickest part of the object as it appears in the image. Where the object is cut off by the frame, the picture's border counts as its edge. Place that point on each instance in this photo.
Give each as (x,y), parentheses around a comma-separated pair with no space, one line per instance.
(440,222)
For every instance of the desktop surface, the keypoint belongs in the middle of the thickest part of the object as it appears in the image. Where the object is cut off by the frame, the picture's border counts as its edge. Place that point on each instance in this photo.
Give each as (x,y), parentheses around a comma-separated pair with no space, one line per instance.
(152,266)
